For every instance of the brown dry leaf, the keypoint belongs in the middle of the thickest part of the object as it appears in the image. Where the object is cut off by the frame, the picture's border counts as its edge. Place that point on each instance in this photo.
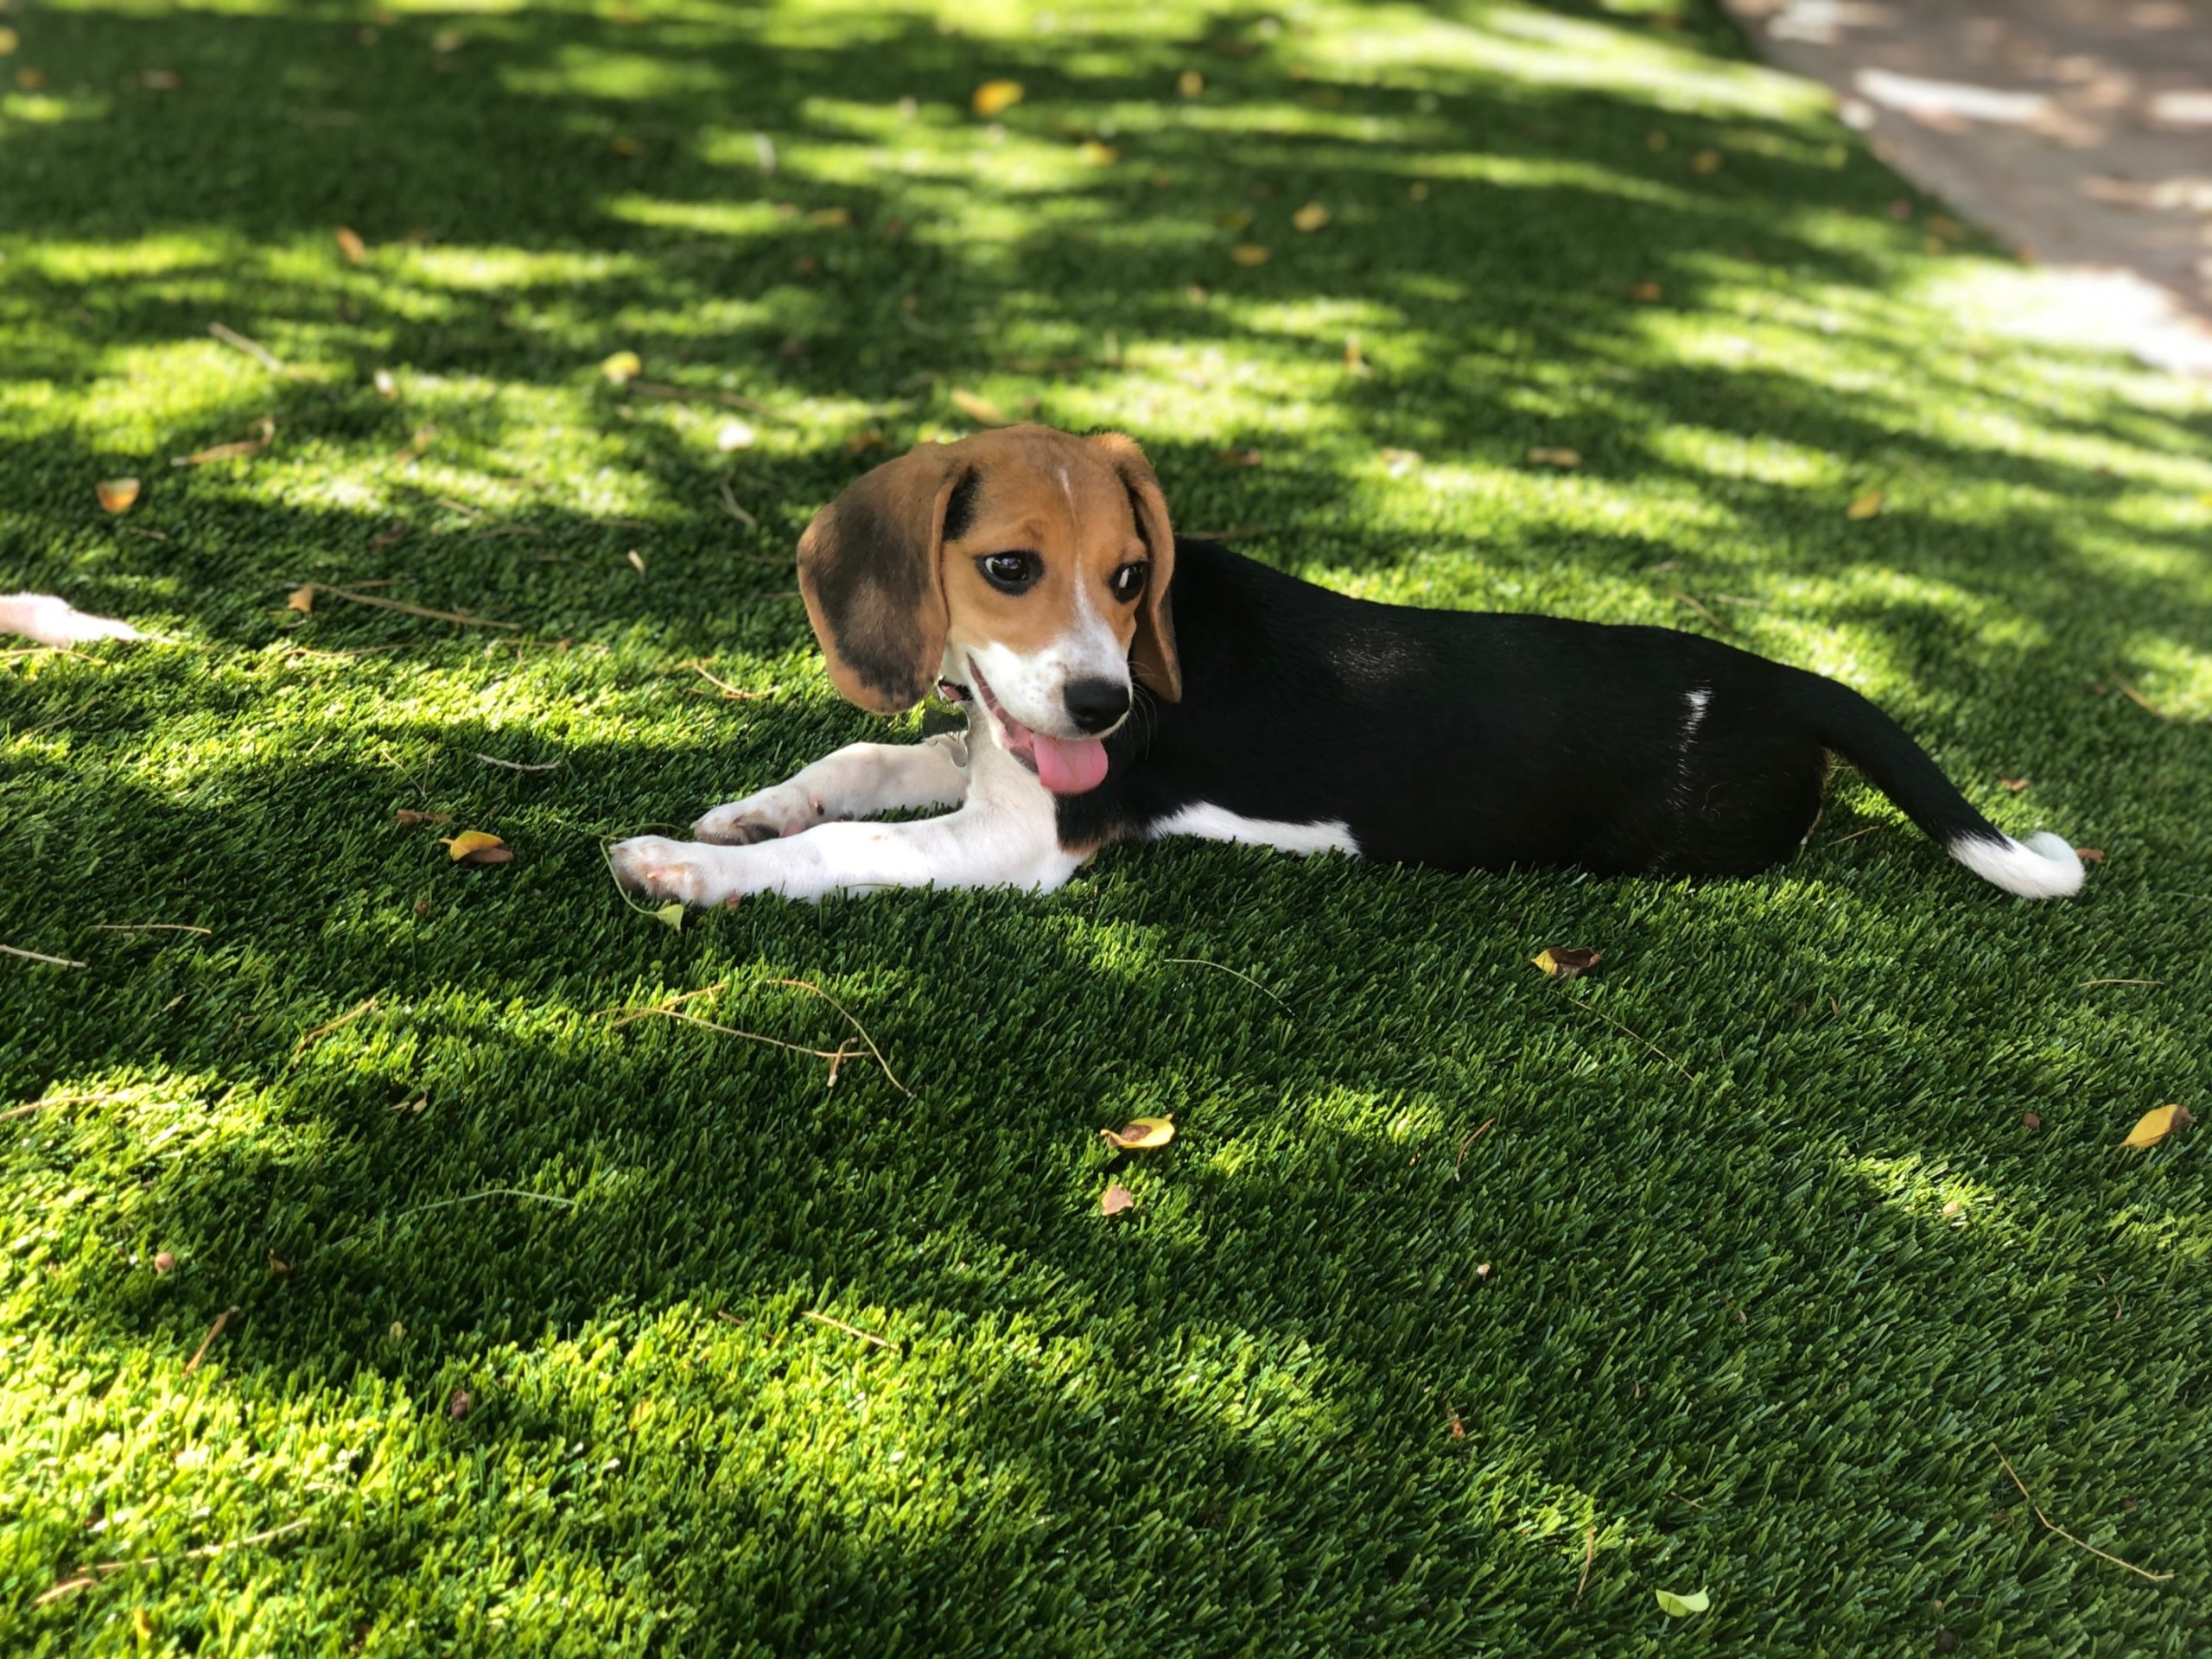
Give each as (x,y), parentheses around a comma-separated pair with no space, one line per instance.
(1566,960)
(1864,506)
(1542,457)
(446,41)
(28,79)
(2090,854)
(1140,1134)
(476,846)
(1417,191)
(1162,179)
(1190,83)
(2015,785)
(301,598)
(620,368)
(350,244)
(164,1261)
(2031,1120)
(160,80)
(278,1265)
(1091,153)
(981,409)
(995,97)
(415,815)
(117,494)
(390,536)
(1117,1198)
(1238,457)
(1312,216)
(1654,141)
(1646,292)
(265,434)
(385,386)
(460,1403)
(625,146)
(1458,1430)
(861,443)
(2155,1126)
(1249,254)
(1705,161)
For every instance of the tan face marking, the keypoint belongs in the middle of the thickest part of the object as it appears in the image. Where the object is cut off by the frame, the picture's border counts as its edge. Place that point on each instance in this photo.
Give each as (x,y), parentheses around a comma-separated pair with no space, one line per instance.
(1058,499)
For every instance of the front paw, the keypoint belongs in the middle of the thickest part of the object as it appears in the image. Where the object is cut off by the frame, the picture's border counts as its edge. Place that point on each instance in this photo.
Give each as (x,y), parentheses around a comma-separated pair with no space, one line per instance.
(775,813)
(656,867)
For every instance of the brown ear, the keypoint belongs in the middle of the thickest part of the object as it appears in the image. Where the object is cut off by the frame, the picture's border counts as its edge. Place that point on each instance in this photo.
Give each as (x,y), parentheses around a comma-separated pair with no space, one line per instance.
(868,570)
(1153,652)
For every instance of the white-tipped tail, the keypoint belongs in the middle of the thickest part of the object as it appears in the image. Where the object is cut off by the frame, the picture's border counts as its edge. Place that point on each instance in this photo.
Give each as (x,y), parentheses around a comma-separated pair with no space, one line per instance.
(2043,867)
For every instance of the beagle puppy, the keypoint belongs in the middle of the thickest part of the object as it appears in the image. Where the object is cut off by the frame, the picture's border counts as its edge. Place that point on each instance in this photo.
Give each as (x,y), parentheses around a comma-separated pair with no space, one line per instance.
(1122,685)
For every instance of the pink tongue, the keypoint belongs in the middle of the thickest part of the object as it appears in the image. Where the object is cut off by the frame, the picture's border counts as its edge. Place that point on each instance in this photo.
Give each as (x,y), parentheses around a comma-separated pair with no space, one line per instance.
(1069,768)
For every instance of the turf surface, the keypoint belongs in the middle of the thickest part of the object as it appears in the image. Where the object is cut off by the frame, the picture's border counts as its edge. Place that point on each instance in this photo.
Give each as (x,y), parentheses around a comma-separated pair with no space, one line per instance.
(1467,1310)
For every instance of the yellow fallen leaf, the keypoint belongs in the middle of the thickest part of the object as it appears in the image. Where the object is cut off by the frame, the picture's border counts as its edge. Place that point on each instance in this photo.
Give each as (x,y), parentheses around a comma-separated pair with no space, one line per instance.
(1091,153)
(1864,506)
(475,846)
(978,408)
(995,97)
(672,914)
(620,368)
(1355,359)
(1249,254)
(2154,1127)
(831,219)
(8,41)
(1190,83)
(117,494)
(1312,216)
(1116,1199)
(1541,456)
(1140,1135)
(1646,292)
(301,598)
(1567,962)
(350,244)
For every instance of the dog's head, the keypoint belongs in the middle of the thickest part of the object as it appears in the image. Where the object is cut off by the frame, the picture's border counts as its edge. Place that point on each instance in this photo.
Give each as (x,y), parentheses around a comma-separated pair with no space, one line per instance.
(1028,565)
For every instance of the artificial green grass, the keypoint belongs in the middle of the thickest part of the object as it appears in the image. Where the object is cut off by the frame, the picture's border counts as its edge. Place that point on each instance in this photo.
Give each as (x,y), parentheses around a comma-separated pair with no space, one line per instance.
(1732,1265)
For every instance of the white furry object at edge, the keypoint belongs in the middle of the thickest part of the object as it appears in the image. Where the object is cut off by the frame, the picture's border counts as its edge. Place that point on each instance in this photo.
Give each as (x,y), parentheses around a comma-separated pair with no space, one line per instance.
(54,621)
(2043,867)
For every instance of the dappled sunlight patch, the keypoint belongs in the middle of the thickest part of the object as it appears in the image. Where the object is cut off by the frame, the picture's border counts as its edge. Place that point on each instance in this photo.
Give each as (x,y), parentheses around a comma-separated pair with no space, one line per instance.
(1928,1192)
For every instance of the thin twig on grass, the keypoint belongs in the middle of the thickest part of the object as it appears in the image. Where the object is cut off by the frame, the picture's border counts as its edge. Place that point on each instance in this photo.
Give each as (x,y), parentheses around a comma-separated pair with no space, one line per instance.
(208,1341)
(2144,702)
(516,765)
(253,348)
(2086,983)
(1854,836)
(730,506)
(662,390)
(802,985)
(317,590)
(849,1330)
(1472,1135)
(1589,1555)
(149,927)
(30,1106)
(1629,1032)
(234,451)
(347,1018)
(2155,1577)
(1200,962)
(1700,610)
(728,690)
(40,956)
(447,1204)
(85,1580)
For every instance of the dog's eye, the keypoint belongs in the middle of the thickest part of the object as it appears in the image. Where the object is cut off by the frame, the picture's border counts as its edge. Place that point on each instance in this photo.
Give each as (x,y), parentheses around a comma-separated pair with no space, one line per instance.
(1129,582)
(1010,573)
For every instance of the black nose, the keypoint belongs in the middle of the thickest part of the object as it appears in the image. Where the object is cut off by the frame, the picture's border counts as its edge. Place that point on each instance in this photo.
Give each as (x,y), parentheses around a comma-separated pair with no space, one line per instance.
(1095,704)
